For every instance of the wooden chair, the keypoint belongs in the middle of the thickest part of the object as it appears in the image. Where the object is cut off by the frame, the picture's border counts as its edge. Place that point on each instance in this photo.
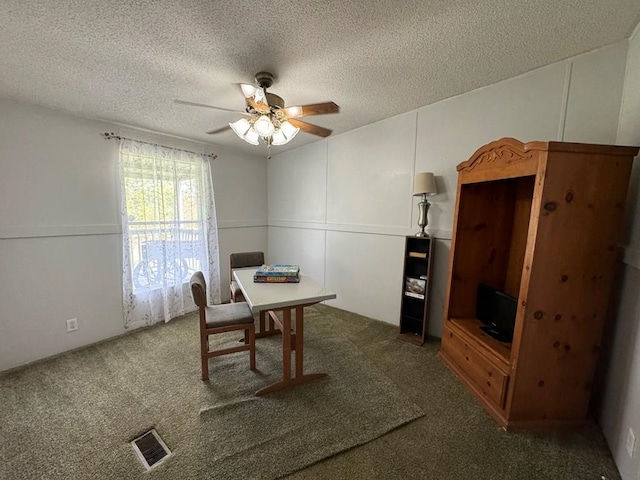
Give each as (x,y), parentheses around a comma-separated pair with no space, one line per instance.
(242,260)
(221,318)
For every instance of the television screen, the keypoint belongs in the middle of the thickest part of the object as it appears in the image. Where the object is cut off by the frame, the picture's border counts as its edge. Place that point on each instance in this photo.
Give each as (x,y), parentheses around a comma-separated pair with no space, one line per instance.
(497,311)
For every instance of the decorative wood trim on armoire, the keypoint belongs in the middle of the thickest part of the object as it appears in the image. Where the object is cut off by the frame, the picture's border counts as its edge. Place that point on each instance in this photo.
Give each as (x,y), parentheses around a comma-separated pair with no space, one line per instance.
(539,222)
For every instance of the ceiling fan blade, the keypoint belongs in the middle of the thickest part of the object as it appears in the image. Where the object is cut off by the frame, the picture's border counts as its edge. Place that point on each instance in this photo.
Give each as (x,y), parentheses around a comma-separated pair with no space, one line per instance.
(192,104)
(219,130)
(255,97)
(258,106)
(299,111)
(309,128)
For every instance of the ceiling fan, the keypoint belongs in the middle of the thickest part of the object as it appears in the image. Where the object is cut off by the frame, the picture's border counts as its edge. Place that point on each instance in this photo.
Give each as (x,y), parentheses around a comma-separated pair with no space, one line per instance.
(266,117)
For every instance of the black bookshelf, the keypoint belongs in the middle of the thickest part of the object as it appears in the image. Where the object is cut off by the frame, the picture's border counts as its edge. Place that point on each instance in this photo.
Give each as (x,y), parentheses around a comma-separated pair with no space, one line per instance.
(416,276)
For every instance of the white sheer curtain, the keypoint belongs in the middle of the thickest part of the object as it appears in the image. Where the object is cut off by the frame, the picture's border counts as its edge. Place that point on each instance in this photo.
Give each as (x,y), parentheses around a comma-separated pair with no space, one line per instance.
(169,231)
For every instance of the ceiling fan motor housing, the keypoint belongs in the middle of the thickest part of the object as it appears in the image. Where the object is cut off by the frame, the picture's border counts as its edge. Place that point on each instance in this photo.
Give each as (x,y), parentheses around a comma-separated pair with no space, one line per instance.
(264,79)
(275,100)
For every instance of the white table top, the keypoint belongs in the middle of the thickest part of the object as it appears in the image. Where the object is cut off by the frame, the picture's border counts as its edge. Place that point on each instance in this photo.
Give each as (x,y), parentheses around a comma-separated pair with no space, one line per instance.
(271,296)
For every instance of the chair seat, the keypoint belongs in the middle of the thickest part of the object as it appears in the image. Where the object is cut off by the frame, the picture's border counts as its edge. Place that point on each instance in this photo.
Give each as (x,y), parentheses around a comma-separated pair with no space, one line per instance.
(228,314)
(220,319)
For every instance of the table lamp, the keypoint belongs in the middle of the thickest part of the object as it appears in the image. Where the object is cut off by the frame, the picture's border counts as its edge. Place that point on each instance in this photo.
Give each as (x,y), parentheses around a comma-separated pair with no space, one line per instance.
(424,184)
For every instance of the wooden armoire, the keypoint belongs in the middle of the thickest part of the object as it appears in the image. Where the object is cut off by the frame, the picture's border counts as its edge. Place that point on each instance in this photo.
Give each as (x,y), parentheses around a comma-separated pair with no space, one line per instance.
(540,221)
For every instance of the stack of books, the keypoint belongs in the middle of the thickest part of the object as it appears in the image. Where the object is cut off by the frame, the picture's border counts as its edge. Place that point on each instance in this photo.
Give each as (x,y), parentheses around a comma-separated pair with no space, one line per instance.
(277,274)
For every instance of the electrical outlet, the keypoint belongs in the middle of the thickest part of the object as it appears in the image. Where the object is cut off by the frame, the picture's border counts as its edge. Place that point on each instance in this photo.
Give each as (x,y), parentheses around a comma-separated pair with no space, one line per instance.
(631,443)
(72,324)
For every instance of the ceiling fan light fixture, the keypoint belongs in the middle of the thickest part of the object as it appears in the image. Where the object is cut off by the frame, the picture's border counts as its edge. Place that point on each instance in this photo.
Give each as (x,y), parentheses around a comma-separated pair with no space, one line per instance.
(289,130)
(264,126)
(278,138)
(248,90)
(240,127)
(285,134)
(251,137)
(243,129)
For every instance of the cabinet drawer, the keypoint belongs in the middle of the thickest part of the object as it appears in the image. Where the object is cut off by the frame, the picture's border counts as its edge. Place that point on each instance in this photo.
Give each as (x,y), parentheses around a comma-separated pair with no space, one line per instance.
(488,379)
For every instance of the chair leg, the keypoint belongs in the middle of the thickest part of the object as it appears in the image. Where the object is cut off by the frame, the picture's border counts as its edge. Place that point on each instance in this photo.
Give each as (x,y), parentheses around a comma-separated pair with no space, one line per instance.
(204,350)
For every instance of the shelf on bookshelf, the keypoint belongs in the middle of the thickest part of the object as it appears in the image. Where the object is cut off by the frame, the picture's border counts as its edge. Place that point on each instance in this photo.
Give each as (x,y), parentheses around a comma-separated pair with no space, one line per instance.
(412,318)
(411,337)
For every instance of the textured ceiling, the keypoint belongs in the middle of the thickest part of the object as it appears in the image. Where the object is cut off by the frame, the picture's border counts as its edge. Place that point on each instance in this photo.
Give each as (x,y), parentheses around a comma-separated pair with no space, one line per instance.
(126,61)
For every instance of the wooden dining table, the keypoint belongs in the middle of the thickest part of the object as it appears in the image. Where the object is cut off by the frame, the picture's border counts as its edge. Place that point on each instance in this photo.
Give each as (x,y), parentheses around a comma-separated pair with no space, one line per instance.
(268,299)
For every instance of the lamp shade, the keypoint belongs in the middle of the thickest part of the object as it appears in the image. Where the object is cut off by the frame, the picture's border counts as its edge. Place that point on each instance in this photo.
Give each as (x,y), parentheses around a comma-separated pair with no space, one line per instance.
(424,184)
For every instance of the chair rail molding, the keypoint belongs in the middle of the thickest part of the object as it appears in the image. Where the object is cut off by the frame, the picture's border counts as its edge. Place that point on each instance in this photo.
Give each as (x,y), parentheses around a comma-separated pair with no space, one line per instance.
(31,231)
(241,224)
(355,228)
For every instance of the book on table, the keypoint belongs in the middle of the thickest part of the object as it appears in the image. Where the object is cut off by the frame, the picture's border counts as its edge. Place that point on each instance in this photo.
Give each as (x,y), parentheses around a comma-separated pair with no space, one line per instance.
(277,273)
(279,270)
(283,270)
(276,279)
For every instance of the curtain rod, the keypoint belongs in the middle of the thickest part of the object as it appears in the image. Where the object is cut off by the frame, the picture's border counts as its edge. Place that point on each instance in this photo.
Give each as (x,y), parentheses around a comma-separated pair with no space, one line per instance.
(111,135)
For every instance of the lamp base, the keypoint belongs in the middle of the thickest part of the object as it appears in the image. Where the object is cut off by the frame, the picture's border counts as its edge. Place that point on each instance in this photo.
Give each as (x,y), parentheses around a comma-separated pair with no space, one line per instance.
(422,218)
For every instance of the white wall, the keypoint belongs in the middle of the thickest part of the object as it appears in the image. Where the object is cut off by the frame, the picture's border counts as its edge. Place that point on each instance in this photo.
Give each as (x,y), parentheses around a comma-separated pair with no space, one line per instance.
(339,207)
(349,196)
(60,243)
(621,406)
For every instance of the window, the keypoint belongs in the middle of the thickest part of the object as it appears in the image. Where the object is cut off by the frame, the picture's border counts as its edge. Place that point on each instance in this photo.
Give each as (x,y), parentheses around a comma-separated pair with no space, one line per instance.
(165,219)
(168,226)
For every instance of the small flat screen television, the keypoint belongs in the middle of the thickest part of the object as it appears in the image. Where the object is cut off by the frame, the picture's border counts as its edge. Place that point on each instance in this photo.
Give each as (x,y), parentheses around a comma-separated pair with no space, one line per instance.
(497,311)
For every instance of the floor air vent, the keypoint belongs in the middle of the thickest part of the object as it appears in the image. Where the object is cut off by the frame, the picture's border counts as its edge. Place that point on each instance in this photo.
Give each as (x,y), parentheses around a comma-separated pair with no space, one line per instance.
(150,449)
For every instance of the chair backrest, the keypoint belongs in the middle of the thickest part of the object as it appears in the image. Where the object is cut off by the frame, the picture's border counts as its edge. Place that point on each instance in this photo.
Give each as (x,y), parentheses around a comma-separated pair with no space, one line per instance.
(199,289)
(246,259)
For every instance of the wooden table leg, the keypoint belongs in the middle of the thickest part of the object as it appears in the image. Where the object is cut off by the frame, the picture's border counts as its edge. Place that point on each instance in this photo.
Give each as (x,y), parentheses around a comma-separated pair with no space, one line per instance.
(298,337)
(286,345)
(299,342)
(271,329)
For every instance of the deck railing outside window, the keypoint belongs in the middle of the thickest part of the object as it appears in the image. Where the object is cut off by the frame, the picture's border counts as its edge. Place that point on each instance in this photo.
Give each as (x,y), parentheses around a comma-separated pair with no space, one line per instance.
(165,252)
